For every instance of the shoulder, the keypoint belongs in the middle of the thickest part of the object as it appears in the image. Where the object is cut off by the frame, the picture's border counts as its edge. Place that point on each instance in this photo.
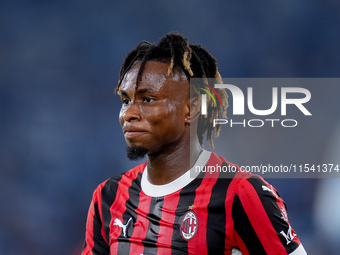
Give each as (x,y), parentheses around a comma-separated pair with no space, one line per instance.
(245,183)
(254,194)
(250,187)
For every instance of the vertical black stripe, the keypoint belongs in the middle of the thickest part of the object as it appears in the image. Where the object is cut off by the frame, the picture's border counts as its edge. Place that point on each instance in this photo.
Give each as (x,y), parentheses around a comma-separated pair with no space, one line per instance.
(154,216)
(244,228)
(100,246)
(273,211)
(186,198)
(216,222)
(131,205)
(108,196)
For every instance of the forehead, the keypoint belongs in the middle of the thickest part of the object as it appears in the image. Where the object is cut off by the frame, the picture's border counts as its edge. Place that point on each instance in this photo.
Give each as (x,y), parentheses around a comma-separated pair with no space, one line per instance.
(155,75)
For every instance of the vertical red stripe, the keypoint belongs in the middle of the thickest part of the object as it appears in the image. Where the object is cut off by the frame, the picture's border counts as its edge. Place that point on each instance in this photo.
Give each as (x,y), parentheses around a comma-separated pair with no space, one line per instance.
(118,207)
(241,244)
(281,205)
(90,218)
(231,240)
(203,194)
(168,219)
(89,231)
(259,219)
(100,187)
(140,226)
(229,227)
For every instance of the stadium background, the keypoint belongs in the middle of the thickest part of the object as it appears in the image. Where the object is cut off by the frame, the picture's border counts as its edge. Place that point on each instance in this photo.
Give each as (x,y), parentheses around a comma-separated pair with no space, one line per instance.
(59,134)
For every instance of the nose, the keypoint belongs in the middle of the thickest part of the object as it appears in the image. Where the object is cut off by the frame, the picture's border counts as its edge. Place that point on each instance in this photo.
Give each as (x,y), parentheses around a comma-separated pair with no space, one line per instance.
(129,113)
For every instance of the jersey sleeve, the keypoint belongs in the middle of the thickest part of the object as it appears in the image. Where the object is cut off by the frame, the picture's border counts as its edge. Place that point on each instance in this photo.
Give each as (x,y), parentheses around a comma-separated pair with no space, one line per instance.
(261,222)
(95,241)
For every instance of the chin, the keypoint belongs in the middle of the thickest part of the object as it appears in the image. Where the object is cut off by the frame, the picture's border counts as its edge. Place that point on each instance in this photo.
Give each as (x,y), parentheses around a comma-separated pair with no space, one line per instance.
(136,144)
(136,153)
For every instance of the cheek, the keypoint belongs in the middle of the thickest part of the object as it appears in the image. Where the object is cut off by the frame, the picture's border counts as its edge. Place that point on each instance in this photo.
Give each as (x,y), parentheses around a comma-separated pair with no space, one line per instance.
(155,116)
(121,116)
(170,117)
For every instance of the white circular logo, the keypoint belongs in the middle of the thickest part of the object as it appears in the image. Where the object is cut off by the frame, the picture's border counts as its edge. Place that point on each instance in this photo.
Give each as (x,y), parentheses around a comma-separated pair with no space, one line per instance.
(189,225)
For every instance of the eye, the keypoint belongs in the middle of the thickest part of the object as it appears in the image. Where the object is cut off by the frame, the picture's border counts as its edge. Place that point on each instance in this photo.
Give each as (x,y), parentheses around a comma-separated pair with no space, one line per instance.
(125,101)
(148,99)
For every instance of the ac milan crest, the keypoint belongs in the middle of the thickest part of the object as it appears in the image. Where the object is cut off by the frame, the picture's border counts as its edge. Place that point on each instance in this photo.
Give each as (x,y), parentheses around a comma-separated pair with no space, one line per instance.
(189,225)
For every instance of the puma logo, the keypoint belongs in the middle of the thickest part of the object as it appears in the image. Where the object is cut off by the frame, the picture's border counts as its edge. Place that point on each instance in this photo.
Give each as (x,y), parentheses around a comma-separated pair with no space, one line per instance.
(265,188)
(120,224)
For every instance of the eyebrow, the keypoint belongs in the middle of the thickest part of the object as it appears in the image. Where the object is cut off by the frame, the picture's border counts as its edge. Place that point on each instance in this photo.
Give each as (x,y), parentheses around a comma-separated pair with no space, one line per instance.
(145,90)
(138,92)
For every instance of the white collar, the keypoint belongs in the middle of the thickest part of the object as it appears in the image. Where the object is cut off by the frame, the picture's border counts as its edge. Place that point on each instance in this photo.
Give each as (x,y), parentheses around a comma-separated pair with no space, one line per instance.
(153,190)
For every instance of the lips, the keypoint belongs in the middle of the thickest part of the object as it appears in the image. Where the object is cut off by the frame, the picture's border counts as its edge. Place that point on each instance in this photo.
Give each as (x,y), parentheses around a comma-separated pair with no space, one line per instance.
(132,132)
(129,134)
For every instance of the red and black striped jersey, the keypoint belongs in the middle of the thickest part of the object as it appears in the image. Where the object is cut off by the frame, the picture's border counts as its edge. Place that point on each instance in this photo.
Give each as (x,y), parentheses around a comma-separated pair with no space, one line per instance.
(208,214)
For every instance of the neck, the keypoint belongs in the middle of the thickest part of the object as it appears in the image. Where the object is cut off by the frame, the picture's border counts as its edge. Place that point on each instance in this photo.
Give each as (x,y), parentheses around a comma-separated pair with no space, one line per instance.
(167,166)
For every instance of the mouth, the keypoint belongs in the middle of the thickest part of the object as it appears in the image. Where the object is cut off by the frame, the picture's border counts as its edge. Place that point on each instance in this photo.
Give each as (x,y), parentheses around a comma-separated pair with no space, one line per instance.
(130,134)
(130,131)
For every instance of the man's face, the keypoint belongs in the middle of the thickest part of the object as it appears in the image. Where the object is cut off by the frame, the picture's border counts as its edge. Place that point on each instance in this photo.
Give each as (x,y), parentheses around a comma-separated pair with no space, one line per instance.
(154,115)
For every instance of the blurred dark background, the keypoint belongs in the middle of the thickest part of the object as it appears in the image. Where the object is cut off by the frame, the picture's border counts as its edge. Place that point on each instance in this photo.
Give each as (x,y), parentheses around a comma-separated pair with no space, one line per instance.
(59,132)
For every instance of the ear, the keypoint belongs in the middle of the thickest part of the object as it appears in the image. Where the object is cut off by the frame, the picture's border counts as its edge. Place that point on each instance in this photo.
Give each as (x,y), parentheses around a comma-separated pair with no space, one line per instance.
(194,110)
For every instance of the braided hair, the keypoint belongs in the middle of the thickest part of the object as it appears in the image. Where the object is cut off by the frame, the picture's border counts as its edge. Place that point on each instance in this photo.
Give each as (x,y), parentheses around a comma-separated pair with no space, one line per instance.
(196,62)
